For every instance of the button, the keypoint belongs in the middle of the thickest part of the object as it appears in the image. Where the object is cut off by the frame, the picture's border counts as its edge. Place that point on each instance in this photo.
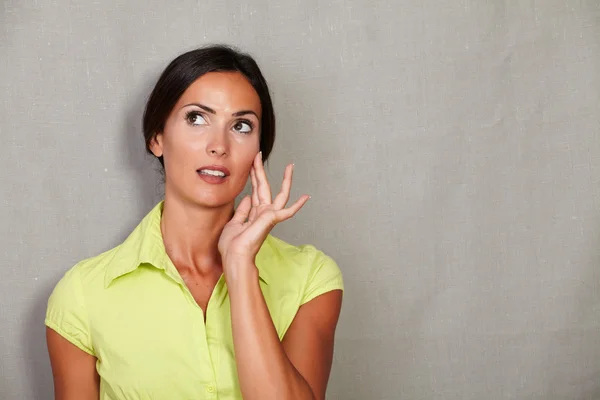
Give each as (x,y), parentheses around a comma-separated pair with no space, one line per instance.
(210,389)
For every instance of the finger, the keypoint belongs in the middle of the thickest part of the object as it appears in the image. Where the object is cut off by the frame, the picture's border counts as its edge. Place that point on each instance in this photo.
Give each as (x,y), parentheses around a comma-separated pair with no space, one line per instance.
(261,227)
(284,194)
(289,212)
(241,213)
(255,201)
(264,189)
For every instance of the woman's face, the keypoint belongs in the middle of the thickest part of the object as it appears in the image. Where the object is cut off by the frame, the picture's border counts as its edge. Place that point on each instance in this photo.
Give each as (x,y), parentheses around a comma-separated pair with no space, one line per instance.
(210,140)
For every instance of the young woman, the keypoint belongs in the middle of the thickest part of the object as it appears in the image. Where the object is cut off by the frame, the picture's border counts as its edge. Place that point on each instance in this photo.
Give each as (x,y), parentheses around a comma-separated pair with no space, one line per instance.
(200,301)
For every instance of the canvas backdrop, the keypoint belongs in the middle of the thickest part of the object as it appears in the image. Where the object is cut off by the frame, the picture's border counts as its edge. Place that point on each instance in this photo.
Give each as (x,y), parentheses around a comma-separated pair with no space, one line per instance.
(451,149)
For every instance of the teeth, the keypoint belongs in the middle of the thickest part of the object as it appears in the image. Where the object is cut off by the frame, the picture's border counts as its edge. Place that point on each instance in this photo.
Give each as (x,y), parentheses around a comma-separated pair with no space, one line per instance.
(212,172)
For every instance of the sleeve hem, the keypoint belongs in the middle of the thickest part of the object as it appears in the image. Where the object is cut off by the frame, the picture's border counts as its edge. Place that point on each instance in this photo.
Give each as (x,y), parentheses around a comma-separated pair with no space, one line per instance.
(50,324)
(336,284)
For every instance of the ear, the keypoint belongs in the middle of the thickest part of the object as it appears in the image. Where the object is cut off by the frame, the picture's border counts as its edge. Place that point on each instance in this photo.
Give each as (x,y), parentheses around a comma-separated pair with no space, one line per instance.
(156,145)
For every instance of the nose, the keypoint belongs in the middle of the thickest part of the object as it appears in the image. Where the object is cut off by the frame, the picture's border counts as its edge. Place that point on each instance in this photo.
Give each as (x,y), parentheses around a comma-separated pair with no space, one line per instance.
(218,144)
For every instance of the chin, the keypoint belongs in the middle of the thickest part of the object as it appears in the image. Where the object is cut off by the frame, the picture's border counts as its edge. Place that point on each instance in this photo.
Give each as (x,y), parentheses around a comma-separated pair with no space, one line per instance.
(205,197)
(212,201)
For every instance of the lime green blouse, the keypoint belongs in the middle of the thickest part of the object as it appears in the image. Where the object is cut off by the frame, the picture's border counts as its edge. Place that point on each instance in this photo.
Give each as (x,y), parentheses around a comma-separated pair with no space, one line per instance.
(130,308)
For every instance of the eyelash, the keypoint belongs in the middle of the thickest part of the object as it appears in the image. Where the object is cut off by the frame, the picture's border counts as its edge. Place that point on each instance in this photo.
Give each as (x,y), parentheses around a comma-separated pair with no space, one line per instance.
(190,115)
(194,114)
(245,121)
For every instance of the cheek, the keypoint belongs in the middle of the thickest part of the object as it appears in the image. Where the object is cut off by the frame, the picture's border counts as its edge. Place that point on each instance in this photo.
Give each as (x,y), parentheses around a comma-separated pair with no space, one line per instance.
(179,147)
(253,145)
(247,157)
(245,148)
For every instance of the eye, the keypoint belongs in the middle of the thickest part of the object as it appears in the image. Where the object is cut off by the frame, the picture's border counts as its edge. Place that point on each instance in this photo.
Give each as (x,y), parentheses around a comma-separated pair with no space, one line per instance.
(195,118)
(243,126)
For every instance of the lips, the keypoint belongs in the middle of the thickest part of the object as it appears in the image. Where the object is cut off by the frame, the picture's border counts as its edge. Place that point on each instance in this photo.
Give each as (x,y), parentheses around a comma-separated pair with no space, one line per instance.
(213,174)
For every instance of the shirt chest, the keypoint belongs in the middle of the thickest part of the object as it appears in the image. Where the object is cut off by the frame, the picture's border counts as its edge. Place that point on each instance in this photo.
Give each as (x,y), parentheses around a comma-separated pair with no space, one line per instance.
(155,341)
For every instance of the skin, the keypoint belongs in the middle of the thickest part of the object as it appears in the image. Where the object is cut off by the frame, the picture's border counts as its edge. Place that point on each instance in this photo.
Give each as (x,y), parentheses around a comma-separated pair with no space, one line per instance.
(299,366)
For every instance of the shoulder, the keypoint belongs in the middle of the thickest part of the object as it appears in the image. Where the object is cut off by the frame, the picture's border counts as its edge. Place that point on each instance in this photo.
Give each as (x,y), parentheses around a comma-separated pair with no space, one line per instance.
(292,276)
(67,311)
(278,255)
(82,280)
(305,267)
(91,270)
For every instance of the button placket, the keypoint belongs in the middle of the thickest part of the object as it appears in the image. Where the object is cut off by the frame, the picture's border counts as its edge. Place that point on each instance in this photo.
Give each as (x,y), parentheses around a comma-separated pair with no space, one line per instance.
(211,334)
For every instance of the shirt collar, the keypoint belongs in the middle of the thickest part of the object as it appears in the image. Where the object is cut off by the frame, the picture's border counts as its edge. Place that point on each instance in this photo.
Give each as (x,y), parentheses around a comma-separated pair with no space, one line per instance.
(145,246)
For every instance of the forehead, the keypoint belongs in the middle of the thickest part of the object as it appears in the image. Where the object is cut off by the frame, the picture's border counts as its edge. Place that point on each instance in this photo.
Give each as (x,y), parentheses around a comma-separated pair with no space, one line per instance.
(223,92)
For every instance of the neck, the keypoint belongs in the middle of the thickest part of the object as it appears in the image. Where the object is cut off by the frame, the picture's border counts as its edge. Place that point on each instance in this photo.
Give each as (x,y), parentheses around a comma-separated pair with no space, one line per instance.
(191,234)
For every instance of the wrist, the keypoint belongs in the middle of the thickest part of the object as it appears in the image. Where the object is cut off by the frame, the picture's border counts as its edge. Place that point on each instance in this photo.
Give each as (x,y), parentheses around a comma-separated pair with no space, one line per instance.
(238,271)
(234,259)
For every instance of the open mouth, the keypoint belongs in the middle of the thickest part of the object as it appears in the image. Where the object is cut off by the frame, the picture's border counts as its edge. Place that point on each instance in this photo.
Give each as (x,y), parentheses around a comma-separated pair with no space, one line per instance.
(212,172)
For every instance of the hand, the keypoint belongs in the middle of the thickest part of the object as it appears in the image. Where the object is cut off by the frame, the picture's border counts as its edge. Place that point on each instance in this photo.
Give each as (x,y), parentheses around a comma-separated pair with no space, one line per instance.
(256,216)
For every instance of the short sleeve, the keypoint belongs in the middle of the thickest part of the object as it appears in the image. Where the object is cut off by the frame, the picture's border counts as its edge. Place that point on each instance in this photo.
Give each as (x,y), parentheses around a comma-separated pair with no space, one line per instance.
(324,276)
(66,313)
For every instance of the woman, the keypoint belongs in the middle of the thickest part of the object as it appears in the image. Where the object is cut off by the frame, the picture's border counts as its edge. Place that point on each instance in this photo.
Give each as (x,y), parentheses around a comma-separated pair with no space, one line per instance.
(200,301)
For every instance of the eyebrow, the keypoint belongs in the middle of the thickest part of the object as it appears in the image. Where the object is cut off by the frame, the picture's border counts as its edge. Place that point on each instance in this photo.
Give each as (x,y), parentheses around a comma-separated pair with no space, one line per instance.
(211,111)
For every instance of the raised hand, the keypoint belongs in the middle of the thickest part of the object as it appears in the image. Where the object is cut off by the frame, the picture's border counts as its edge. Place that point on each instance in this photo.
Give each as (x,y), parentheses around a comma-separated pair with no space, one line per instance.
(256,216)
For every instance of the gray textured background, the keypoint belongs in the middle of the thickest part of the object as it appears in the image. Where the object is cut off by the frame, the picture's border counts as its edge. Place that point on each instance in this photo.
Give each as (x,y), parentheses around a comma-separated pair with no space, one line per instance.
(451,148)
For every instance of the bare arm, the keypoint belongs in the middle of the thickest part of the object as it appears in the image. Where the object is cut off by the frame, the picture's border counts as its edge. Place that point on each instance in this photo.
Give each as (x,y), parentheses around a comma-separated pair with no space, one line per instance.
(309,341)
(267,369)
(74,370)
(296,369)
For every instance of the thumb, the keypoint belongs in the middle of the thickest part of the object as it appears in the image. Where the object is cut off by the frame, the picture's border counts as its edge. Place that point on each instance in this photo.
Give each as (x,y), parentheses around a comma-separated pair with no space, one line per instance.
(242,211)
